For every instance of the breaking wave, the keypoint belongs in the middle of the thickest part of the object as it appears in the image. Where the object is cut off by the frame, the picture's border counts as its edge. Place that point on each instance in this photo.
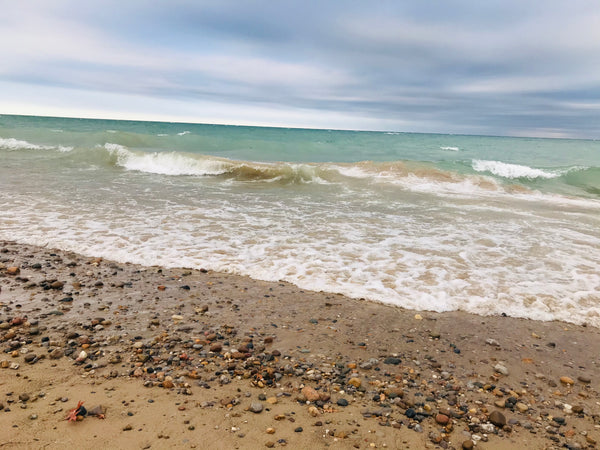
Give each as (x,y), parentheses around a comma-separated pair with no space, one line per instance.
(16,144)
(515,171)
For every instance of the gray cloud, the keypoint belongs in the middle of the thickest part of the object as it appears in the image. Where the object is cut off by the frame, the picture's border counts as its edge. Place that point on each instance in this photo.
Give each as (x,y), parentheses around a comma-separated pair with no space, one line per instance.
(511,67)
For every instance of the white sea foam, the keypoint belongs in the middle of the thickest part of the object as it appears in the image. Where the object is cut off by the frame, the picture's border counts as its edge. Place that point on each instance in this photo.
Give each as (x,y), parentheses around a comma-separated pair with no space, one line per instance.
(183,133)
(168,163)
(453,149)
(513,171)
(437,260)
(15,144)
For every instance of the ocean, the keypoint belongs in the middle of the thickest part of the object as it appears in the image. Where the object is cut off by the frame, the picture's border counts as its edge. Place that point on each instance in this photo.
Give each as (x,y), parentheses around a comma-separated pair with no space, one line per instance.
(487,225)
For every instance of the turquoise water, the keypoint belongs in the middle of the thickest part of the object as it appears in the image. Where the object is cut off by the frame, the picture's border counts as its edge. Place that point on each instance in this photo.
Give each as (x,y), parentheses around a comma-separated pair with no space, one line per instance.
(489,225)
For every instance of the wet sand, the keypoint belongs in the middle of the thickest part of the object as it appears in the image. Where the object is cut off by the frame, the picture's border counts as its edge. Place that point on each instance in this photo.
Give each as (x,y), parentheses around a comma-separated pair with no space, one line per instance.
(181,358)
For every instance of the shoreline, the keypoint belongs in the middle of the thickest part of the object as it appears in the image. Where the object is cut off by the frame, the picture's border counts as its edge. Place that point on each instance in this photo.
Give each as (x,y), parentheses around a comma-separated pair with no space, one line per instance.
(183,358)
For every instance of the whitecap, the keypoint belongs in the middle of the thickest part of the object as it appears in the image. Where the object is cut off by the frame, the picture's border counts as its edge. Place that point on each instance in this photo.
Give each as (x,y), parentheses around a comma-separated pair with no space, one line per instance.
(506,170)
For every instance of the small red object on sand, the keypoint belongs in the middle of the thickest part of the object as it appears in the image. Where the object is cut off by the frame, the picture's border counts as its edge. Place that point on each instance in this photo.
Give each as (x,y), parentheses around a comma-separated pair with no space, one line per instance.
(72,417)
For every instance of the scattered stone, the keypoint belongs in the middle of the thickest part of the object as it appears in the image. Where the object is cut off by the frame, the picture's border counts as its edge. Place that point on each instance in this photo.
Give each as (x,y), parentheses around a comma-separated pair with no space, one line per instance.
(467,445)
(310,393)
(256,407)
(356,382)
(392,361)
(566,380)
(522,407)
(501,369)
(442,419)
(497,418)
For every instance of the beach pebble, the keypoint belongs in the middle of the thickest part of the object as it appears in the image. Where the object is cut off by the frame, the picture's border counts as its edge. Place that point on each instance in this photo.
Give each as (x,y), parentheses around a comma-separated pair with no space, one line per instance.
(57,285)
(497,418)
(392,360)
(256,407)
(442,419)
(310,393)
(12,270)
(566,380)
(356,382)
(501,369)
(522,407)
(313,411)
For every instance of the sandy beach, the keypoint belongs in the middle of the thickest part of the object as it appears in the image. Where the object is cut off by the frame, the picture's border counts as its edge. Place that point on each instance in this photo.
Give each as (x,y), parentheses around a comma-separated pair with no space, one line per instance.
(181,358)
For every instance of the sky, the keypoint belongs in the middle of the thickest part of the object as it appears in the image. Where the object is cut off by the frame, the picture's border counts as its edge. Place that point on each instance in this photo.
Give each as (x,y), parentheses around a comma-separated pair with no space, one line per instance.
(510,67)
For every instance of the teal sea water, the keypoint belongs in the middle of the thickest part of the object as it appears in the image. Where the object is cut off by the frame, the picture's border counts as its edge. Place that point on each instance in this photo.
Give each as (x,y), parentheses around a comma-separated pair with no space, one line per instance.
(488,225)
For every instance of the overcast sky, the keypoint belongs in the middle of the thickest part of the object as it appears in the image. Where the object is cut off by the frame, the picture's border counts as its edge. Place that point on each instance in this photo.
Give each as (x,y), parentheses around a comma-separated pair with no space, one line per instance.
(510,67)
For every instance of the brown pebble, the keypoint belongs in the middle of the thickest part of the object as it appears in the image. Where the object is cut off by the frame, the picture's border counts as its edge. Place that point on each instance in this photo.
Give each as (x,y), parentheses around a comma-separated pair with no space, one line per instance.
(310,393)
(467,445)
(442,419)
(566,380)
(497,418)
(57,285)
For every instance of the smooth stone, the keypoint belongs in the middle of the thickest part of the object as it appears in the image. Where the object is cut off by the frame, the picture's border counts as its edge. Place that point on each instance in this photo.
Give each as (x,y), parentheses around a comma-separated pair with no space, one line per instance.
(356,382)
(442,419)
(256,407)
(467,445)
(501,369)
(342,402)
(497,418)
(567,380)
(310,393)
(392,360)
(522,407)
(57,353)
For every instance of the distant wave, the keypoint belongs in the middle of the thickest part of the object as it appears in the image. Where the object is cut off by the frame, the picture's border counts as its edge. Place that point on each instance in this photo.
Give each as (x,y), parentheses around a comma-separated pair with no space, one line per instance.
(15,144)
(183,133)
(453,149)
(174,163)
(514,171)
(417,177)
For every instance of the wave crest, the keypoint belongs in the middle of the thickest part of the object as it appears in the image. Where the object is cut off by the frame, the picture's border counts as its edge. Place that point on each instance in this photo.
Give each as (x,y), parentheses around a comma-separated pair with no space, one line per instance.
(16,144)
(174,163)
(513,171)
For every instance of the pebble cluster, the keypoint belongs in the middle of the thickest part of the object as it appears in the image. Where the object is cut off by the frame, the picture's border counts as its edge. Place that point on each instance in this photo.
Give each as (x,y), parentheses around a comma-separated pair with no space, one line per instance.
(333,373)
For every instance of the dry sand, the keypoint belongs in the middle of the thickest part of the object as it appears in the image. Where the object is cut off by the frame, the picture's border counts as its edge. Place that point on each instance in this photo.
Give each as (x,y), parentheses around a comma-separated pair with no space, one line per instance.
(180,358)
